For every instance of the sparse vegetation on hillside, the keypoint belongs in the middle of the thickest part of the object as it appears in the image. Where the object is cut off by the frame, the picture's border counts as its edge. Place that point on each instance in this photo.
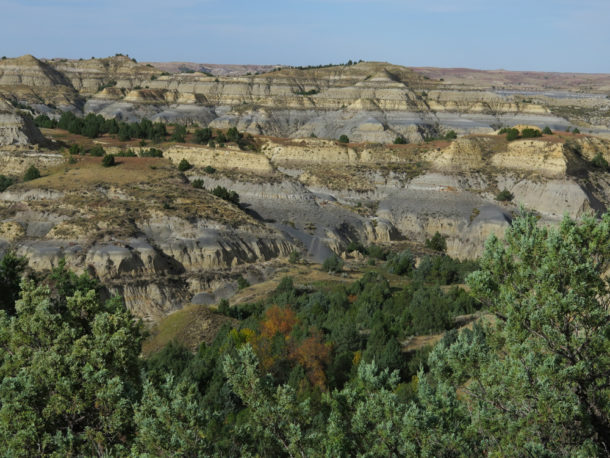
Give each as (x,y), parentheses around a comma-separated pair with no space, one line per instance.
(31,173)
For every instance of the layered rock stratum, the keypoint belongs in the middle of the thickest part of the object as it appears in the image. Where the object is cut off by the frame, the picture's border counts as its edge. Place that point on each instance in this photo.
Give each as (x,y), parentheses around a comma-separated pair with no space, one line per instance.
(149,235)
(368,101)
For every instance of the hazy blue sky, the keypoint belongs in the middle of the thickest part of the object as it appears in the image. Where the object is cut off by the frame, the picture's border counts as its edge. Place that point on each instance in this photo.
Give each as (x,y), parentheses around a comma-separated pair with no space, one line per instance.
(551,35)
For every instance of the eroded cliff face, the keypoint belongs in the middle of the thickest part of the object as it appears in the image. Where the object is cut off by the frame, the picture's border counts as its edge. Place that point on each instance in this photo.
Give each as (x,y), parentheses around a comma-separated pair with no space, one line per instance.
(369,101)
(161,243)
(149,235)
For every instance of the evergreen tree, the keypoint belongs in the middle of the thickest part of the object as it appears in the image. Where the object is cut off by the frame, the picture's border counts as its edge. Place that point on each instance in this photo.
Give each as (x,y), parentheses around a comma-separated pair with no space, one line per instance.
(69,372)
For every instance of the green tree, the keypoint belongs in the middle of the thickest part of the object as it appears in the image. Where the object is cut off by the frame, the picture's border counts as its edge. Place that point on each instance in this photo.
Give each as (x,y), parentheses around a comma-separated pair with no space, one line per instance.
(184,165)
(123,132)
(5,182)
(437,243)
(528,132)
(600,161)
(333,264)
(202,136)
(225,194)
(343,139)
(31,173)
(512,134)
(233,134)
(170,421)
(108,160)
(11,270)
(504,196)
(547,131)
(69,374)
(275,415)
(401,263)
(179,134)
(400,140)
(197,183)
(537,377)
(97,151)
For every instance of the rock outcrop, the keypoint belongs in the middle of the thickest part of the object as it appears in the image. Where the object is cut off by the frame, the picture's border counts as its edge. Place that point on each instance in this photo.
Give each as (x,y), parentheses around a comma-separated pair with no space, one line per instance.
(369,101)
(17,129)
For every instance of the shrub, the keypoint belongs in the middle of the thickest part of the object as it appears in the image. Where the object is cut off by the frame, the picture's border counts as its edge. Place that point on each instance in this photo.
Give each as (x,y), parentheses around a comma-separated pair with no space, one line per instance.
(203,136)
(443,270)
(377,252)
(233,134)
(401,263)
(504,196)
(5,182)
(184,165)
(45,122)
(209,169)
(75,149)
(225,194)
(437,243)
(343,139)
(355,246)
(295,257)
(451,135)
(124,134)
(97,151)
(179,134)
(333,264)
(511,133)
(223,307)
(31,173)
(530,133)
(242,282)
(198,183)
(126,153)
(575,130)
(400,140)
(600,162)
(151,152)
(547,131)
(108,160)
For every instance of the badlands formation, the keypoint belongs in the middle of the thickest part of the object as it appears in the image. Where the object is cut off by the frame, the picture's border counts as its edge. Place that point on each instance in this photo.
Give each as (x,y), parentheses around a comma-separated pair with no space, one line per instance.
(162,243)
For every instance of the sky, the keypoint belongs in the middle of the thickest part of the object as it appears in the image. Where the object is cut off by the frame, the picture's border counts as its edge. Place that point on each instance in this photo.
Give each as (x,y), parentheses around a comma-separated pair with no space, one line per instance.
(537,35)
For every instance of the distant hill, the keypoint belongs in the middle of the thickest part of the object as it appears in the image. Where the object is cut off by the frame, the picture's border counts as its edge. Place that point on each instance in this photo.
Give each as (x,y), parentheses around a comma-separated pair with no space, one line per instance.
(214,69)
